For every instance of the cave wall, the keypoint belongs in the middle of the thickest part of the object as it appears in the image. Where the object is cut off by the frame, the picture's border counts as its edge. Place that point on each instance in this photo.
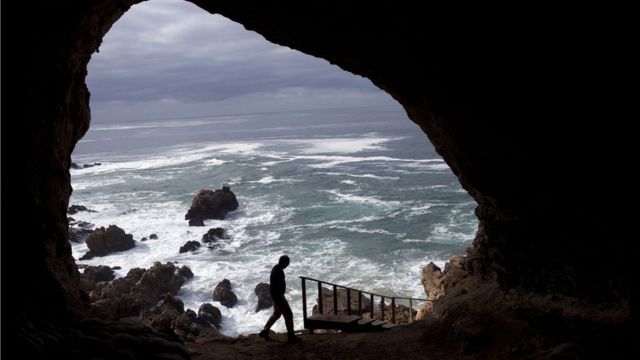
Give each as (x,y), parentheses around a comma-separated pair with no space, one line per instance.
(504,100)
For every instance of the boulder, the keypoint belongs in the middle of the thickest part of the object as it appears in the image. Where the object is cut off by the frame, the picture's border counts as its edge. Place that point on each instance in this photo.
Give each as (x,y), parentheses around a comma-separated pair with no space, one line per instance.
(103,242)
(209,316)
(224,295)
(263,291)
(190,246)
(153,237)
(213,235)
(209,204)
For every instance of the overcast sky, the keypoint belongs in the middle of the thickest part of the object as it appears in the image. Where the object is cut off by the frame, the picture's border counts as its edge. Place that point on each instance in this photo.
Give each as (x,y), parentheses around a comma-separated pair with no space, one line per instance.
(169,58)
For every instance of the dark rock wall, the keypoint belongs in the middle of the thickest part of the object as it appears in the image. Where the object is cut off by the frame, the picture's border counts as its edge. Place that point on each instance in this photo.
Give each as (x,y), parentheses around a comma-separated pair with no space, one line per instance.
(500,97)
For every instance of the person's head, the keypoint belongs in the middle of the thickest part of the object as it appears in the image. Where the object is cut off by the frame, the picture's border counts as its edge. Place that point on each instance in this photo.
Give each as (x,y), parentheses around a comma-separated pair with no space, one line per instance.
(284,261)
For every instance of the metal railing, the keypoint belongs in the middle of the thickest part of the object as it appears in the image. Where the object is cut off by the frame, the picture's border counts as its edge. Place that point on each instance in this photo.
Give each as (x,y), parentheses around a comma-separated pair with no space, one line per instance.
(360,297)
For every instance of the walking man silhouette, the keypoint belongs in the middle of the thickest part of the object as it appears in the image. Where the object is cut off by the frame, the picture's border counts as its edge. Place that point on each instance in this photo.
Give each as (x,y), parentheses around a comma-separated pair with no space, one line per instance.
(280,304)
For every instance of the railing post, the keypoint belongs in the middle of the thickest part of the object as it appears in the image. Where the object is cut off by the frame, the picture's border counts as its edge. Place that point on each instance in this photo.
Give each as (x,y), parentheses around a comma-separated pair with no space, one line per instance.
(348,301)
(320,311)
(304,300)
(410,310)
(371,305)
(382,308)
(360,303)
(335,300)
(393,310)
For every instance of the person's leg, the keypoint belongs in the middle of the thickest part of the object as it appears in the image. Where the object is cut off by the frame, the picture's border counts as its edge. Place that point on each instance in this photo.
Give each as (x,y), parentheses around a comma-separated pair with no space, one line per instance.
(277,312)
(288,317)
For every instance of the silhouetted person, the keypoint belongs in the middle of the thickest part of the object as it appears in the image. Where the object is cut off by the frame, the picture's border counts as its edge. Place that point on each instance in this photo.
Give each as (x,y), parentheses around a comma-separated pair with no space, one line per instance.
(280,304)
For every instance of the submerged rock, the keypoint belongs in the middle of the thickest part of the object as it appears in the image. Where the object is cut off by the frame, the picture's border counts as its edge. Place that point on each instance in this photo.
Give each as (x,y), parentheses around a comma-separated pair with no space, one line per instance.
(209,204)
(213,235)
(190,246)
(73,209)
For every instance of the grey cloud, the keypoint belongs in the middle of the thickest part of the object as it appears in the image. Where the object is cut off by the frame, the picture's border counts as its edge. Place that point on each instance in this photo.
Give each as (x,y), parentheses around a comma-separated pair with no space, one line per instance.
(170,49)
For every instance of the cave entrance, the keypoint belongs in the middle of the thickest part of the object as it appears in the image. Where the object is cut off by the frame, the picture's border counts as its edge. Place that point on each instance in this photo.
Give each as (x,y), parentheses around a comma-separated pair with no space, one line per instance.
(326,167)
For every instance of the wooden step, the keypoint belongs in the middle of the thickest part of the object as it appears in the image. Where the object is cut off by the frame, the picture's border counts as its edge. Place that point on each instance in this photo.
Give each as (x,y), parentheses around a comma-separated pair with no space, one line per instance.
(339,318)
(389,326)
(365,322)
(378,323)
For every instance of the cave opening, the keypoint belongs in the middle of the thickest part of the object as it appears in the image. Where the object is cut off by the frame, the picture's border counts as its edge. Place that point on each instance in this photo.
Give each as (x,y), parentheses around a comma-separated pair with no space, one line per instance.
(326,166)
(503,100)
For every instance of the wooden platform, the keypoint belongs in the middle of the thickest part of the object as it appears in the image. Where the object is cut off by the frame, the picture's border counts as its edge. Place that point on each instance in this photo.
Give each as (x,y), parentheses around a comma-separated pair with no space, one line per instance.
(347,323)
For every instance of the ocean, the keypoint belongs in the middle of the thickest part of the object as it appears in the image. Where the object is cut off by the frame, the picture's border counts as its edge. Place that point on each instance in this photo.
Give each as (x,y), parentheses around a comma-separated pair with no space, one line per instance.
(355,196)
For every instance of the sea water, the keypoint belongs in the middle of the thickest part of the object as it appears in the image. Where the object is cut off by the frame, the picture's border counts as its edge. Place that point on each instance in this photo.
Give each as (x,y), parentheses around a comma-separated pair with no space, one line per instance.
(354,196)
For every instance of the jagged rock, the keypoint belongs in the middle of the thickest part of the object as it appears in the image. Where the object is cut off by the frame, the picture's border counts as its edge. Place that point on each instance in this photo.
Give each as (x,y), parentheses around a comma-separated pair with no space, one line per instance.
(327,302)
(73,209)
(190,246)
(165,314)
(185,321)
(432,278)
(213,235)
(153,237)
(263,291)
(224,295)
(139,290)
(209,204)
(209,315)
(98,273)
(143,239)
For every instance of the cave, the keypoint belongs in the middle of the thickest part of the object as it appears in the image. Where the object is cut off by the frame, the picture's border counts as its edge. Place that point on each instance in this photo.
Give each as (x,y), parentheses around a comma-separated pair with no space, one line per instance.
(509,102)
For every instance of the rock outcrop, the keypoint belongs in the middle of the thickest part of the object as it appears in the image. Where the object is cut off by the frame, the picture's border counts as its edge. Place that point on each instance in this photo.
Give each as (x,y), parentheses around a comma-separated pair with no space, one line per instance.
(263,292)
(139,290)
(209,204)
(224,295)
(209,315)
(105,241)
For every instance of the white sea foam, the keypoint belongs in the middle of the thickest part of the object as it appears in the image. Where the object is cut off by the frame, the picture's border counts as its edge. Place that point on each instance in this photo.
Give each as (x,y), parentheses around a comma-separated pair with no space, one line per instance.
(348,182)
(271,179)
(368,176)
(370,200)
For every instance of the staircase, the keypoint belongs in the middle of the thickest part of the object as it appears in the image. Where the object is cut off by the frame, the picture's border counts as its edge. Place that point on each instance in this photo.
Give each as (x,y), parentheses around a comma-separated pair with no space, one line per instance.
(349,318)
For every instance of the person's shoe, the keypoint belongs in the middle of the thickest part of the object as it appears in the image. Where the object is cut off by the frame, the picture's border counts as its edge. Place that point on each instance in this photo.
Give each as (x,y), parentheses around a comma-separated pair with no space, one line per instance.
(264,334)
(293,339)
